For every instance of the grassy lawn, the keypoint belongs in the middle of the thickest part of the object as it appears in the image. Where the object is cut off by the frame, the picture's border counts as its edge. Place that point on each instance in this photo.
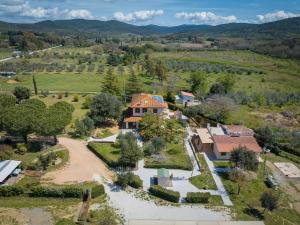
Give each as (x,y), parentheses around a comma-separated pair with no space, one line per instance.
(205,180)
(104,133)
(222,164)
(249,198)
(108,152)
(175,158)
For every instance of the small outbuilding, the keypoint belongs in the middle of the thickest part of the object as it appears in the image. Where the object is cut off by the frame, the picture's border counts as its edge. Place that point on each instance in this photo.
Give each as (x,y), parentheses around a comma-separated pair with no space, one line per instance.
(163,178)
(8,168)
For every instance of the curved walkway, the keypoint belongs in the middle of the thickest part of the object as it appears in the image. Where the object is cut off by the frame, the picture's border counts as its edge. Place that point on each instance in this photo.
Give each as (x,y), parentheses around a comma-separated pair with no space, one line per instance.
(82,166)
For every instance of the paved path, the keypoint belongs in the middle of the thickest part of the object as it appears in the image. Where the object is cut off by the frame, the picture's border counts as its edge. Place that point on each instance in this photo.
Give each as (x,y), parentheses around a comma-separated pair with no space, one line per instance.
(30,53)
(83,165)
(217,179)
(110,139)
(133,207)
(214,171)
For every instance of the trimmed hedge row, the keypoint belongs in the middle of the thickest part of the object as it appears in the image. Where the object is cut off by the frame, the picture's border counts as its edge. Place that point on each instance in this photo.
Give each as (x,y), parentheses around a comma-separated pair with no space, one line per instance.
(169,195)
(56,192)
(8,191)
(110,163)
(197,197)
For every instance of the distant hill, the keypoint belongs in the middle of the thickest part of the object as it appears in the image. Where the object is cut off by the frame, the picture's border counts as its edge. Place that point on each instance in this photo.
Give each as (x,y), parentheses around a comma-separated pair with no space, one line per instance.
(290,26)
(279,38)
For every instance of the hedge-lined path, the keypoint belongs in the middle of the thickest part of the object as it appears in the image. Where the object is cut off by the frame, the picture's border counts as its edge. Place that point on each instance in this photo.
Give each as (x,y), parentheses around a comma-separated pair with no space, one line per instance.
(82,166)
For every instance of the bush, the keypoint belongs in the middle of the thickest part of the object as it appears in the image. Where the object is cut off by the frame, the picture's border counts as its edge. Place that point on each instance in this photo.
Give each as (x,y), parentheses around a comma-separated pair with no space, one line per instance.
(64,192)
(130,179)
(136,182)
(8,191)
(158,191)
(75,98)
(97,190)
(21,148)
(197,197)
(5,152)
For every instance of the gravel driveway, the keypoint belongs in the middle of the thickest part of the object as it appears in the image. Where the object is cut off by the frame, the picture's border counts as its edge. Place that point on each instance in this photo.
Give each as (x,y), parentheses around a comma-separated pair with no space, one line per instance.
(82,166)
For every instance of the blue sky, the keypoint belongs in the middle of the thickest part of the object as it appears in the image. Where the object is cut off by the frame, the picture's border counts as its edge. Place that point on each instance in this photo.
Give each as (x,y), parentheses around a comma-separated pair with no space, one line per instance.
(160,12)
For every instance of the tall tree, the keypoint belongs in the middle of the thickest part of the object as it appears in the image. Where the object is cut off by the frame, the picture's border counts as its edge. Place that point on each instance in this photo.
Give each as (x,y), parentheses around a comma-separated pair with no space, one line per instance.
(133,85)
(161,71)
(198,82)
(130,150)
(54,119)
(111,83)
(105,107)
(228,82)
(34,85)
(21,119)
(243,158)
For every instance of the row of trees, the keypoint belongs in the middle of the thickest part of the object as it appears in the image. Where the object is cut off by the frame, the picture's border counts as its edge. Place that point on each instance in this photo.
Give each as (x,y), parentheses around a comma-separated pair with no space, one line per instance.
(31,116)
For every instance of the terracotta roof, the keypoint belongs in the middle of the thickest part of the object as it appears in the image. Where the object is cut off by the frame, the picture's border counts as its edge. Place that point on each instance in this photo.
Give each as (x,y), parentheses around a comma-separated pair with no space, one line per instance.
(226,143)
(239,130)
(204,136)
(186,94)
(147,101)
(132,119)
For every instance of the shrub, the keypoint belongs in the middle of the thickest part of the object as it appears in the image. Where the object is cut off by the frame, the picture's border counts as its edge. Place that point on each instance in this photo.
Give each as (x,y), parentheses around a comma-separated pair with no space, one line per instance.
(97,190)
(21,148)
(59,96)
(75,98)
(5,152)
(136,182)
(130,179)
(172,196)
(197,197)
(8,191)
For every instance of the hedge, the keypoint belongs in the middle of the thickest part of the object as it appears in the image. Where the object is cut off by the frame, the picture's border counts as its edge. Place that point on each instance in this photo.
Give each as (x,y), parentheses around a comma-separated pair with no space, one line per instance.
(8,191)
(169,195)
(56,192)
(97,190)
(197,197)
(153,165)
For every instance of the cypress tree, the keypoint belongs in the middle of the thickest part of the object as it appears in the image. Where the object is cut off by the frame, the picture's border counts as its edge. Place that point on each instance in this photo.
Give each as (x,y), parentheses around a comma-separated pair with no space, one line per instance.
(34,85)
(111,83)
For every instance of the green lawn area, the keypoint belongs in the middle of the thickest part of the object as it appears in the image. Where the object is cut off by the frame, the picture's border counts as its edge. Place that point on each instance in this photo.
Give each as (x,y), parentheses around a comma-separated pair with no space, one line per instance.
(108,152)
(249,197)
(104,133)
(205,180)
(222,164)
(176,158)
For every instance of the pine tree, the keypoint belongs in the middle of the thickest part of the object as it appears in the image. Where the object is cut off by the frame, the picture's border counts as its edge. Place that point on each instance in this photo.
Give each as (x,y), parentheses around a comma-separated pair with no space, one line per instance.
(111,83)
(134,85)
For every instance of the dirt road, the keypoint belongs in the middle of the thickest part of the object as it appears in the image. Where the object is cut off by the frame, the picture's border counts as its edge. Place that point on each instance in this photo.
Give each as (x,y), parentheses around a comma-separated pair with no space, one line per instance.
(83,165)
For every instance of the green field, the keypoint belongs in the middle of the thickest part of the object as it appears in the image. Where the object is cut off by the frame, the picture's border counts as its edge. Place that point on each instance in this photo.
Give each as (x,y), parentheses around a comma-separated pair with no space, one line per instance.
(108,152)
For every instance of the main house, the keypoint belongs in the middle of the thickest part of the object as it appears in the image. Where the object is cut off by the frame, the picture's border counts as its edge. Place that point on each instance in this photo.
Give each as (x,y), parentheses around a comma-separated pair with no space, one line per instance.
(223,139)
(144,103)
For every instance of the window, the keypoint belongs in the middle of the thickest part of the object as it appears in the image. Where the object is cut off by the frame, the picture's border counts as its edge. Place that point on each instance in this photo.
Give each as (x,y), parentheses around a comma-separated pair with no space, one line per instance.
(137,110)
(223,153)
(144,110)
(154,110)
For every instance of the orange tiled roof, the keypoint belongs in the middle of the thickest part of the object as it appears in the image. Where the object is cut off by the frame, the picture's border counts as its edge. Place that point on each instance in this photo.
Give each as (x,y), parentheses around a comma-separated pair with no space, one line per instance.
(133,119)
(146,101)
(187,94)
(227,143)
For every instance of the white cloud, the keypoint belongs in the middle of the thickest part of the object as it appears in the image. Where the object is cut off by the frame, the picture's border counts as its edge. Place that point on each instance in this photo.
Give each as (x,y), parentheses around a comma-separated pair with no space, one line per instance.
(206,18)
(279,15)
(142,15)
(22,8)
